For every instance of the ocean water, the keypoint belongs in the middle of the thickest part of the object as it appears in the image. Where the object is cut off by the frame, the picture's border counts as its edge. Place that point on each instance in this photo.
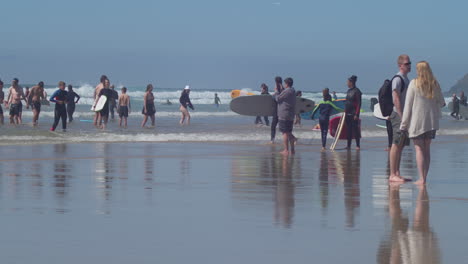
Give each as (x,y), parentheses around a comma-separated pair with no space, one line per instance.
(209,123)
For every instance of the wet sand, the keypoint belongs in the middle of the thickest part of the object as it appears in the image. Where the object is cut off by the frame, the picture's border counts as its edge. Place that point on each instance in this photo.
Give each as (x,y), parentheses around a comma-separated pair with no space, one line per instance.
(229,203)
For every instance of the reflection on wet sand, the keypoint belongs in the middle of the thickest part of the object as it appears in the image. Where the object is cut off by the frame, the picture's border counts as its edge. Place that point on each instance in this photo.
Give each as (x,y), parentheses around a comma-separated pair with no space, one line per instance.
(347,166)
(61,177)
(104,175)
(409,244)
(255,176)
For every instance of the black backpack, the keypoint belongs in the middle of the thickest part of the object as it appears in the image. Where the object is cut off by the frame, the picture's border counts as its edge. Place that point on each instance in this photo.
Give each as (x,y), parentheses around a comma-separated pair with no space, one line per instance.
(385,96)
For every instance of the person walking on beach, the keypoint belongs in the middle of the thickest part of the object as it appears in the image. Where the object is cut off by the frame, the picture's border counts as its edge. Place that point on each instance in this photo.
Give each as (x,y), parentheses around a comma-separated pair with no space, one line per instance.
(124,107)
(274,122)
(334,96)
(36,94)
(421,117)
(112,102)
(72,100)
(59,97)
(456,107)
(325,107)
(103,116)
(97,90)
(184,101)
(258,119)
(15,95)
(399,88)
(217,101)
(286,112)
(149,110)
(2,98)
(463,99)
(353,109)
(297,119)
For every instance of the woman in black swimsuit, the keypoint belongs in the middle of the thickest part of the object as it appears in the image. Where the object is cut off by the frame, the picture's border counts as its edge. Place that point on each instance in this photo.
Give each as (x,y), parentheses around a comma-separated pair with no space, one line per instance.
(148,106)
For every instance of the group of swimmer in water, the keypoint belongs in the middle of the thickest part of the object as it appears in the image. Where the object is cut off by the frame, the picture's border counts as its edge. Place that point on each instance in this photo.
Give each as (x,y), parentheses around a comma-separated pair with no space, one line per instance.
(65,102)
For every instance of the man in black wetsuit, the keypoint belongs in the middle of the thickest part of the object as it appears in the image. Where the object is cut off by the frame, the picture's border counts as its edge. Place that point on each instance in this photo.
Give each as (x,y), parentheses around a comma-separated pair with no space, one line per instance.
(104,113)
(72,100)
(352,109)
(59,97)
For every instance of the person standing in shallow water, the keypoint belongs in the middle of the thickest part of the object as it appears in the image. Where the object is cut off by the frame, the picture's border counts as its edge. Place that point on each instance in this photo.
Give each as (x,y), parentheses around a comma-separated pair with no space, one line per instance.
(59,97)
(352,109)
(217,101)
(104,112)
(149,110)
(274,122)
(36,95)
(73,99)
(286,112)
(97,90)
(456,107)
(184,101)
(421,118)
(258,119)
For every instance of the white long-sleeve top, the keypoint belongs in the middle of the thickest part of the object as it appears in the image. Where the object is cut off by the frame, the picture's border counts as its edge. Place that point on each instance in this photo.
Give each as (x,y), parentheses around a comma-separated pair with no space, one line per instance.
(421,114)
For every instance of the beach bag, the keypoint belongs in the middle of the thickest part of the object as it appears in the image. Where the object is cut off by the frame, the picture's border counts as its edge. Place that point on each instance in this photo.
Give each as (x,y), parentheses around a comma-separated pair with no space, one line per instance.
(385,96)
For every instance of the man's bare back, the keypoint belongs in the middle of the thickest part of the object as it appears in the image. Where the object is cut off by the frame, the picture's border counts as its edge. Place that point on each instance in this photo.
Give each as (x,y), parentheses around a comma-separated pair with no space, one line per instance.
(124,100)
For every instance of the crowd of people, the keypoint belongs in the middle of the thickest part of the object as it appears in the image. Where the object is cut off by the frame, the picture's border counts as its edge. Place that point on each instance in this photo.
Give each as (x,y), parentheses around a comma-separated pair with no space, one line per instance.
(65,103)
(416,111)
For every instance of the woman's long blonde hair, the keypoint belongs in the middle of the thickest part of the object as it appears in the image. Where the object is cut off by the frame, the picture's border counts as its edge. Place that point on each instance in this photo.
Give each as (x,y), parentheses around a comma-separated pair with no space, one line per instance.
(426,83)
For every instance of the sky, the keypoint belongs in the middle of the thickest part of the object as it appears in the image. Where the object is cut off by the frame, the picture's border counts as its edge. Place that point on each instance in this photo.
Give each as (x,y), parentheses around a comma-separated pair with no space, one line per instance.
(218,44)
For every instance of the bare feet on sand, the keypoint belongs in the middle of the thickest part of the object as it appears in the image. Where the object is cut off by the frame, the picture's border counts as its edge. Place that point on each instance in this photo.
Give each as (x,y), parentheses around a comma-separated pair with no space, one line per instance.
(395,178)
(420,182)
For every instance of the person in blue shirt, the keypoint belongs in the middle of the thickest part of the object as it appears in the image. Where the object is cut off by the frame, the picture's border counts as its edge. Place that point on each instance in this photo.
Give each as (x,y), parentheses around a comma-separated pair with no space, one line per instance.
(325,107)
(59,97)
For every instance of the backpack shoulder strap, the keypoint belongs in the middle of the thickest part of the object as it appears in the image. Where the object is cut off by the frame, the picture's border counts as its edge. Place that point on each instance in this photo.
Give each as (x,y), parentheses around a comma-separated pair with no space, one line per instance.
(402,82)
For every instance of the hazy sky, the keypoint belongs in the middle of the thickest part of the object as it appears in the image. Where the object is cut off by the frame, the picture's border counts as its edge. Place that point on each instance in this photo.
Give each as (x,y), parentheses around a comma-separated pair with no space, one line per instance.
(230,44)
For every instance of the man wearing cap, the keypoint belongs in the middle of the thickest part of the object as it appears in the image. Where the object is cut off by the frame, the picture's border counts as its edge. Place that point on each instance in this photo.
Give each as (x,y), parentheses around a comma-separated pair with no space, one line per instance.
(15,95)
(352,110)
(184,104)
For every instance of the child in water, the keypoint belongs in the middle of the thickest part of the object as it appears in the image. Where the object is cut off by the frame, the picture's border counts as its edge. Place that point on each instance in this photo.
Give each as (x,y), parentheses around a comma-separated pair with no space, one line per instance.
(325,107)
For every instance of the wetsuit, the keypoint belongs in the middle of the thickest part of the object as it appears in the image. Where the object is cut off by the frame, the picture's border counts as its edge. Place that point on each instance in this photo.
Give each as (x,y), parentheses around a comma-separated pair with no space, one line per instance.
(456,108)
(105,109)
(184,100)
(258,119)
(325,108)
(71,104)
(274,120)
(352,109)
(60,109)
(115,96)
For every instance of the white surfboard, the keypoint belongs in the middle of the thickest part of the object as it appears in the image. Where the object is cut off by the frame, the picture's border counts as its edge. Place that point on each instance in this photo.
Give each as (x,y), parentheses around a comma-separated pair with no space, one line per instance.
(101,101)
(378,112)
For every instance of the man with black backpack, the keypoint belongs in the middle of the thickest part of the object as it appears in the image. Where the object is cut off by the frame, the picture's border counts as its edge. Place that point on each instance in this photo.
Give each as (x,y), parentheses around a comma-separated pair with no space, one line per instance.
(399,88)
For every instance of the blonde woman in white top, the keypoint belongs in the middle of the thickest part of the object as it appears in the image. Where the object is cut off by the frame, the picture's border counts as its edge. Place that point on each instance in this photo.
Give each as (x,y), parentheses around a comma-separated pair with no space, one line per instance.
(424,100)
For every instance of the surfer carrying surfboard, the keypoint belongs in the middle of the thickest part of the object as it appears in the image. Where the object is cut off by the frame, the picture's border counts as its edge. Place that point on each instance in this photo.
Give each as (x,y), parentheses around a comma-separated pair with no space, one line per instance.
(326,108)
(286,112)
(104,112)
(59,97)
(352,109)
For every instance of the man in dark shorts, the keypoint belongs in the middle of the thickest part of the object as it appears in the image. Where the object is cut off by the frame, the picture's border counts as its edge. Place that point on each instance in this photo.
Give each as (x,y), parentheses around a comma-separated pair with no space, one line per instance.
(35,96)
(104,113)
(15,96)
(286,112)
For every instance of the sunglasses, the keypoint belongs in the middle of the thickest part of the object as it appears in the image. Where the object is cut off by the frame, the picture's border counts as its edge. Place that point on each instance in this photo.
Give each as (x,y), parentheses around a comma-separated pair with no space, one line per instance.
(407,64)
